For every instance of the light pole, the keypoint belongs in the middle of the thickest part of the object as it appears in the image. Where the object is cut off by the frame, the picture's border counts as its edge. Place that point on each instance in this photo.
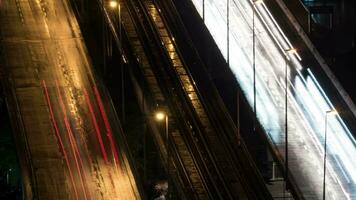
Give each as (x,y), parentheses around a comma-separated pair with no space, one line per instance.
(228,32)
(121,66)
(204,11)
(254,3)
(329,112)
(160,116)
(114,4)
(288,52)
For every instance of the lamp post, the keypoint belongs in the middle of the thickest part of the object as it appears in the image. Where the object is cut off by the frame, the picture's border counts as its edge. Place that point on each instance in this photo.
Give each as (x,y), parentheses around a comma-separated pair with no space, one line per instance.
(160,116)
(203,11)
(228,32)
(114,4)
(329,112)
(254,3)
(121,66)
(287,52)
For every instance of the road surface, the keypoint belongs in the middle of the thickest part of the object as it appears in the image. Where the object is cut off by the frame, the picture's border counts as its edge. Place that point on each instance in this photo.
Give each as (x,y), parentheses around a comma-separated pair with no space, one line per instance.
(68,134)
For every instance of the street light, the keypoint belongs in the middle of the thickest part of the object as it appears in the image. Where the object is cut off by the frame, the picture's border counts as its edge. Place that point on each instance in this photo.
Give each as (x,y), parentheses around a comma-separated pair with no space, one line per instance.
(113,4)
(288,52)
(228,31)
(291,51)
(329,112)
(160,116)
(254,2)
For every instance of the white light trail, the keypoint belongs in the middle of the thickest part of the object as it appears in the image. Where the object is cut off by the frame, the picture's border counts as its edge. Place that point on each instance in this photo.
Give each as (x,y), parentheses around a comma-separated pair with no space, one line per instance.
(308,101)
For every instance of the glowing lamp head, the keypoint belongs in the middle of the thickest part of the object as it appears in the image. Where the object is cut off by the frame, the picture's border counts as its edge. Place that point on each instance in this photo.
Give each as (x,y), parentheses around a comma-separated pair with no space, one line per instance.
(291,51)
(331,112)
(160,115)
(256,2)
(113,4)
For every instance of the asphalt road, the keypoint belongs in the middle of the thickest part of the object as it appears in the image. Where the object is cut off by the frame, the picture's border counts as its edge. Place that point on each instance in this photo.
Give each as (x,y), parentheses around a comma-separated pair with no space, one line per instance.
(67,144)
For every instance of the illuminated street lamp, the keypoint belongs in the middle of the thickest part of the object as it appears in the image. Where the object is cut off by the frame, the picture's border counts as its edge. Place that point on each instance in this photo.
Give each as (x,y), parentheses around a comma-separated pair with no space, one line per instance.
(329,112)
(291,51)
(288,53)
(160,116)
(113,4)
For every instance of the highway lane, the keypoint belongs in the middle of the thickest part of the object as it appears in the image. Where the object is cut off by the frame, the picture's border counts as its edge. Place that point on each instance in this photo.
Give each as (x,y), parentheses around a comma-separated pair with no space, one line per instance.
(67,119)
(307,102)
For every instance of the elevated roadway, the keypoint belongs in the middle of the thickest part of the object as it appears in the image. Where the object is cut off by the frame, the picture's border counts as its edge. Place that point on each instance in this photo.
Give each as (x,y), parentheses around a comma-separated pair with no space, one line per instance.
(65,128)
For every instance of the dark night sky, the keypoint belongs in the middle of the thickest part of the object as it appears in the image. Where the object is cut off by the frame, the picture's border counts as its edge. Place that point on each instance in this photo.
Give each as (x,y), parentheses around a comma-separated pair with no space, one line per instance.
(338,45)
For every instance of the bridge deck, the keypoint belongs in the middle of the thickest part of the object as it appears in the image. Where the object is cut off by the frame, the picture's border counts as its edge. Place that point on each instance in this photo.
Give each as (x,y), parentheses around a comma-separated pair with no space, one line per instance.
(65,132)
